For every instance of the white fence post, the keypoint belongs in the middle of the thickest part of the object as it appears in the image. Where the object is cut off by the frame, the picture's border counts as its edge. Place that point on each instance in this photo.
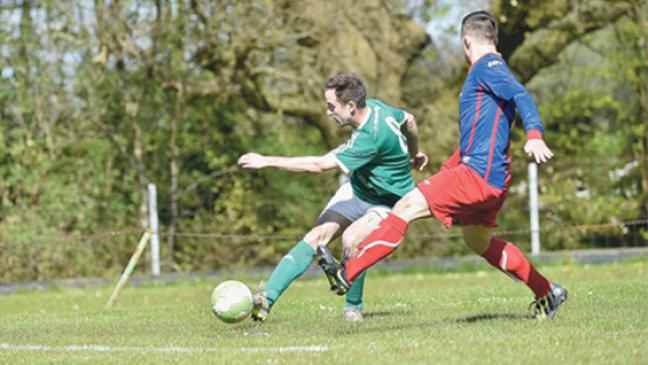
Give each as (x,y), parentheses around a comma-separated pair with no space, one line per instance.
(533,208)
(155,237)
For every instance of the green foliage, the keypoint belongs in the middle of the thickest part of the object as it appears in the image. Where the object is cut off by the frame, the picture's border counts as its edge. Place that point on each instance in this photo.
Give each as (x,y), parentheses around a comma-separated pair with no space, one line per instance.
(97,101)
(589,102)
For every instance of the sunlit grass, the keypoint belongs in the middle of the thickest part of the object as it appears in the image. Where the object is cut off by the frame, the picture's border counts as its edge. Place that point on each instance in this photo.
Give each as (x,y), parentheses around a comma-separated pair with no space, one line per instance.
(474,317)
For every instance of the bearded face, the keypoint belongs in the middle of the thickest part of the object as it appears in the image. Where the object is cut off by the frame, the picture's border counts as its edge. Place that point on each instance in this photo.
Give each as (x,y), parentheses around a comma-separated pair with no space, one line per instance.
(342,114)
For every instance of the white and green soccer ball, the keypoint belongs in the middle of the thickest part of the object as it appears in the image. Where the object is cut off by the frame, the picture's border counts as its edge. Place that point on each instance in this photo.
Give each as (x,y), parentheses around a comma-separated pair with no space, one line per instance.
(231,301)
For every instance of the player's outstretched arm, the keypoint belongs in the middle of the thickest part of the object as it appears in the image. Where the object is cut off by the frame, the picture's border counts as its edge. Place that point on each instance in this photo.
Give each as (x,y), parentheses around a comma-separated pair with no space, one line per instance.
(295,164)
(410,129)
(499,80)
(538,149)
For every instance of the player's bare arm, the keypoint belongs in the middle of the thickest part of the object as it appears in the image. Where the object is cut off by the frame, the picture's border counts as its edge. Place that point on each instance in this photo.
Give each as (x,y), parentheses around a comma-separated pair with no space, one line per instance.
(410,130)
(295,164)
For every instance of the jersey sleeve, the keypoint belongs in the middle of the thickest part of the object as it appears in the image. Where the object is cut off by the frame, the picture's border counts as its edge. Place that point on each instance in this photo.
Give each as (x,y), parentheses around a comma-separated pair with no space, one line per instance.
(358,151)
(496,78)
(400,116)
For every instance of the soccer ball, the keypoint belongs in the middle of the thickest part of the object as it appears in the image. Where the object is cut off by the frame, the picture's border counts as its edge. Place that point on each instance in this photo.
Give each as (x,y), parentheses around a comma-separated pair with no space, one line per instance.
(231,301)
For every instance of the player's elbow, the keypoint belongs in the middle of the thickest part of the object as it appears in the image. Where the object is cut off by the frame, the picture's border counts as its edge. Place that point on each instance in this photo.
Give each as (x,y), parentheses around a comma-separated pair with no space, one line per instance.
(318,167)
(323,163)
(411,129)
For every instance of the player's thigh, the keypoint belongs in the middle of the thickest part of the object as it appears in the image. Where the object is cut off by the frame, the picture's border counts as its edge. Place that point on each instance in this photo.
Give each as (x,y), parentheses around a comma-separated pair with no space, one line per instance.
(359,230)
(334,219)
(343,203)
(412,206)
(477,237)
(329,225)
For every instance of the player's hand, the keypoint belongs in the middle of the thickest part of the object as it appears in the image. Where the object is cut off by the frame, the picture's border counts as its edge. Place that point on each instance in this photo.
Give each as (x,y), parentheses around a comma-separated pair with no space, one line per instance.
(252,161)
(538,149)
(419,161)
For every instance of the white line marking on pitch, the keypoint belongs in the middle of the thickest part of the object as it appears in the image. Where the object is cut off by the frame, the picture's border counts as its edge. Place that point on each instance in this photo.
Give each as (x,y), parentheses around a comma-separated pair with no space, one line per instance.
(103,348)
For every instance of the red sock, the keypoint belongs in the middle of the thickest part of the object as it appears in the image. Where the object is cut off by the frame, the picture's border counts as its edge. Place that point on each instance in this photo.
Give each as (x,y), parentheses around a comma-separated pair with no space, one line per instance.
(380,243)
(508,258)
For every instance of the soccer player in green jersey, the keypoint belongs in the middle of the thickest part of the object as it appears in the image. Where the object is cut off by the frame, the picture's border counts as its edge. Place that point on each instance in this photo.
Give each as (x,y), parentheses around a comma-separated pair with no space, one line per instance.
(377,159)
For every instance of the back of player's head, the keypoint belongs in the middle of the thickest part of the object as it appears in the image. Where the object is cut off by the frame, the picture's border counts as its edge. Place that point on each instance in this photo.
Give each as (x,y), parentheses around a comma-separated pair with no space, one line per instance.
(480,25)
(348,87)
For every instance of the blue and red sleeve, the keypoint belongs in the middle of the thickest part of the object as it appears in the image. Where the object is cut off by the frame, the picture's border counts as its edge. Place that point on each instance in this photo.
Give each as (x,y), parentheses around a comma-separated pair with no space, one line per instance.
(496,78)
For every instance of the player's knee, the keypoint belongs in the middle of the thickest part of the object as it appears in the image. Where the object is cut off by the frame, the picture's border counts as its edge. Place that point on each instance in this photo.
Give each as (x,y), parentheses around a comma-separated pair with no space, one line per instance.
(411,206)
(403,206)
(477,239)
(476,244)
(312,238)
(350,241)
(316,237)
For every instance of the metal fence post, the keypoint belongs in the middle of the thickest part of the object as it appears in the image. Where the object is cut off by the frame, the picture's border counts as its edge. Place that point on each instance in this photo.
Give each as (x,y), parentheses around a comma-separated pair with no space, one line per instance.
(155,237)
(533,208)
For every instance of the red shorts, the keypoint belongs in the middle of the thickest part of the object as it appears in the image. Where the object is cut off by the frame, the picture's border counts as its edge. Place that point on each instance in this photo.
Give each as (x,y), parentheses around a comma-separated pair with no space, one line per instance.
(460,194)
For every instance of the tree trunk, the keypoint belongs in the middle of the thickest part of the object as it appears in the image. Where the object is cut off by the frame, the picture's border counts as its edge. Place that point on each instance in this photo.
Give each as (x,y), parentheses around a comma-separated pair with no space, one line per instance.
(175,172)
(640,15)
(174,162)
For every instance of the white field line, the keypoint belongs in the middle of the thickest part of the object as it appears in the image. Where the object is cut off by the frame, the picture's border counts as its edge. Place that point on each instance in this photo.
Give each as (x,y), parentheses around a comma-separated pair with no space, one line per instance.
(172,349)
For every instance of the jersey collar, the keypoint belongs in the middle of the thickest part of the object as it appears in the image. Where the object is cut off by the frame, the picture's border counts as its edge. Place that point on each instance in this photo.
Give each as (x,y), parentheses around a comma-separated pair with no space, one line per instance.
(371,111)
(481,58)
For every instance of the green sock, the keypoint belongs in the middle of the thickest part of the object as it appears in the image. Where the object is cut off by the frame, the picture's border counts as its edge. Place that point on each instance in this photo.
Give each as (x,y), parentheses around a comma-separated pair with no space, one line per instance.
(354,295)
(289,268)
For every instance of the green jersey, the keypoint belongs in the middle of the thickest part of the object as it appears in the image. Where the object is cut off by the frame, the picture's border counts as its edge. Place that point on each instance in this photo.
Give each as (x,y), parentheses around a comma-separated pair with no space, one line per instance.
(376,156)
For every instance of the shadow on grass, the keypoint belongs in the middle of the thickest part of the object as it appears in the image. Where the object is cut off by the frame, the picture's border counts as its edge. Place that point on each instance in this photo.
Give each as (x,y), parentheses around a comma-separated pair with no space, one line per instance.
(372,318)
(493,316)
(379,314)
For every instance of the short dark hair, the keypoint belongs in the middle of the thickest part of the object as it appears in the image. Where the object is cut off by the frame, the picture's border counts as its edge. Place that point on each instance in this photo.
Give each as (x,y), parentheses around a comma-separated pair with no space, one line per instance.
(480,24)
(348,87)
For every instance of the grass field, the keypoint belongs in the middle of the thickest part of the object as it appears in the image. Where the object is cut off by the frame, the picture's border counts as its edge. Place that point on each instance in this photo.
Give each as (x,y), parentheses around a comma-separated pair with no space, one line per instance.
(476,317)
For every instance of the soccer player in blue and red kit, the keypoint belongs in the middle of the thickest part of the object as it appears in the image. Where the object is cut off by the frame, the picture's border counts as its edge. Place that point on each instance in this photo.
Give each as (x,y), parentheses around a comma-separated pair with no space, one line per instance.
(472,185)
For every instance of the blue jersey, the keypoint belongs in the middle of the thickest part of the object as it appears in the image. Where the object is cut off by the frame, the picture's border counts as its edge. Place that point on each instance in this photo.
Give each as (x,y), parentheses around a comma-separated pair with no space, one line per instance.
(486,111)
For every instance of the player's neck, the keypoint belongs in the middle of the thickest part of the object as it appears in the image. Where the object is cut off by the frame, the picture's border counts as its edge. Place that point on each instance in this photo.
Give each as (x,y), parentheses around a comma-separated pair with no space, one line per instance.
(478,51)
(360,117)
